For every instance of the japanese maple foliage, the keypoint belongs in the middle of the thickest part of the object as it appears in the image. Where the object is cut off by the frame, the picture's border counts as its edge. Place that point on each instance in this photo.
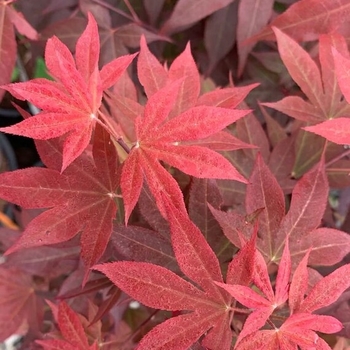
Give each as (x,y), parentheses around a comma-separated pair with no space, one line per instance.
(92,198)
(71,328)
(299,327)
(192,190)
(71,103)
(337,130)
(160,288)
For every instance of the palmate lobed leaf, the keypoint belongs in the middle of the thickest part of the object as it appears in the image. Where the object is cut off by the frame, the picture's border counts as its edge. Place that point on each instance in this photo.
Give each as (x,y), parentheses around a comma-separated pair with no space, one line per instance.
(300,223)
(300,327)
(193,324)
(81,199)
(70,104)
(263,306)
(20,305)
(70,325)
(324,93)
(160,288)
(157,287)
(325,107)
(179,128)
(161,140)
(322,90)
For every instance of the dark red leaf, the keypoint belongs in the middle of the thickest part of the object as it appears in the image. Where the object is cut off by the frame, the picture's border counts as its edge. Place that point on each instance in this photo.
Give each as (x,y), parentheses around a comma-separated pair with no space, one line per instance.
(70,105)
(18,301)
(188,12)
(80,200)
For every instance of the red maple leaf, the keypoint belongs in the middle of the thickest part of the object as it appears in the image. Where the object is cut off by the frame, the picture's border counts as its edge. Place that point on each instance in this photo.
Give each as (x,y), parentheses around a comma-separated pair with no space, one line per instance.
(81,199)
(177,127)
(72,330)
(153,76)
(174,142)
(20,306)
(324,87)
(337,130)
(70,104)
(322,90)
(299,328)
(262,306)
(299,224)
(157,287)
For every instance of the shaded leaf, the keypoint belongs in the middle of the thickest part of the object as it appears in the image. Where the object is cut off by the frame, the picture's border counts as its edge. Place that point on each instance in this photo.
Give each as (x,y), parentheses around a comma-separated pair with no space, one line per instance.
(188,12)
(153,9)
(21,24)
(253,15)
(220,33)
(140,244)
(7,49)
(18,301)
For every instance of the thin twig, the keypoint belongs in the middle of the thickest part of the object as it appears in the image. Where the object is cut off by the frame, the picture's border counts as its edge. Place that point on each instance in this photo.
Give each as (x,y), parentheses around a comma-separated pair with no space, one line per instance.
(340,156)
(133,13)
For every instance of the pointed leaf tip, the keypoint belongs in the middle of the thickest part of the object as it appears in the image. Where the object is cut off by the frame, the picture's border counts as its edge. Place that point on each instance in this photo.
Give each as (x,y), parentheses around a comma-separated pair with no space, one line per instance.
(334,130)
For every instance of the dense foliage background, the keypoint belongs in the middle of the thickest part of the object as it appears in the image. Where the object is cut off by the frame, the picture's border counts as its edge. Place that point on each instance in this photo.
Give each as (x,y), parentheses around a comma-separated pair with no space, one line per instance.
(188,182)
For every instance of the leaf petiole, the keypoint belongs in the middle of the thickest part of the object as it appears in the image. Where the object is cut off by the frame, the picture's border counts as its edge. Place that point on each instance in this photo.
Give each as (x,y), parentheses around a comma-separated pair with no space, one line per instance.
(108,126)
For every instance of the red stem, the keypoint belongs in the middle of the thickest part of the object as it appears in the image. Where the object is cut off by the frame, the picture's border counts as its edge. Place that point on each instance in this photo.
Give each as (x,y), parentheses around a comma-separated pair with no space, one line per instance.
(344,154)
(109,127)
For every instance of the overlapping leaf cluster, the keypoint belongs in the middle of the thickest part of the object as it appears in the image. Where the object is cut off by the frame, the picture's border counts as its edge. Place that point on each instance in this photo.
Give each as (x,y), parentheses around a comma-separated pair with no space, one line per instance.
(83,195)
(110,158)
